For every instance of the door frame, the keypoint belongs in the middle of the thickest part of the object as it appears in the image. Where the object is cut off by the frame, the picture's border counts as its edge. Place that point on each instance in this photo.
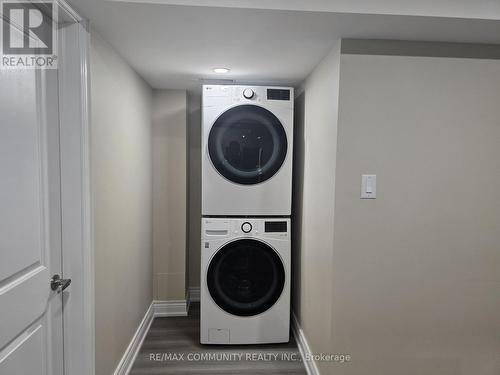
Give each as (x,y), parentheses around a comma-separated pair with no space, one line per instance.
(76,199)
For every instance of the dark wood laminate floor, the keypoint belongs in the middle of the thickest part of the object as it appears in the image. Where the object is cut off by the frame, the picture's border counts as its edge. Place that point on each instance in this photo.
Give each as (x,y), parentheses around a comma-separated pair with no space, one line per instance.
(172,347)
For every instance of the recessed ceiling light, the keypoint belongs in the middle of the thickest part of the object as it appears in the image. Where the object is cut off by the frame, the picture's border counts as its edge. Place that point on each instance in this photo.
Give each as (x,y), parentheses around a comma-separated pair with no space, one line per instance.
(221,70)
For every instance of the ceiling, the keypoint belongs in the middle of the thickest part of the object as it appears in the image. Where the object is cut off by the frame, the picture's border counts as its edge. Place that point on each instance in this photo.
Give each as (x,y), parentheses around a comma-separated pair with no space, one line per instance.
(480,9)
(175,46)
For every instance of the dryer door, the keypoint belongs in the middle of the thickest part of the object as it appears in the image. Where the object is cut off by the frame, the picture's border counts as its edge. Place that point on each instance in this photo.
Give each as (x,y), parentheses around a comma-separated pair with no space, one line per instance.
(247,144)
(246,277)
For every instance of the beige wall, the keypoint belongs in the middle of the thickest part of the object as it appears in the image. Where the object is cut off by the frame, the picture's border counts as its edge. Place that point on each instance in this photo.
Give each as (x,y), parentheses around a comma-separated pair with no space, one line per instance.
(194,209)
(169,194)
(416,280)
(313,200)
(121,181)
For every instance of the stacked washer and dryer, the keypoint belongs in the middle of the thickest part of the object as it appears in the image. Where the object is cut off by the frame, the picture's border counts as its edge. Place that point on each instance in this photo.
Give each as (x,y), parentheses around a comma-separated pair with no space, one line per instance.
(246,205)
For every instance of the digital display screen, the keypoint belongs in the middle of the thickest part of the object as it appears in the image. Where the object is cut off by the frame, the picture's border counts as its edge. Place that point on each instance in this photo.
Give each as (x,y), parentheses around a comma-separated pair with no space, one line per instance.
(275,226)
(278,94)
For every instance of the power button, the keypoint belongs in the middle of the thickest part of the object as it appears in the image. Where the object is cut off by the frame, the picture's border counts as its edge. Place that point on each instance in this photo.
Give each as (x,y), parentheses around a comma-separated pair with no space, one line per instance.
(246,227)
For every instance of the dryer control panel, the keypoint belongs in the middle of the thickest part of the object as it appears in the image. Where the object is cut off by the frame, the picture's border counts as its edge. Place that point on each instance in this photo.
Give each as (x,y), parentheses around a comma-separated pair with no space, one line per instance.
(216,95)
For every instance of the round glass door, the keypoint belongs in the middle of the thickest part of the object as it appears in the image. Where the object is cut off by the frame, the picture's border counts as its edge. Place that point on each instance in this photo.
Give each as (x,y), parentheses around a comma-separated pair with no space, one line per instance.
(247,144)
(246,277)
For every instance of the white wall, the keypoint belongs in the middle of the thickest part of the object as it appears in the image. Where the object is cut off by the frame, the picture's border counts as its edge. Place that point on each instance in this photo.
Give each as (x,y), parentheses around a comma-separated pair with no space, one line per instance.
(408,283)
(416,280)
(169,194)
(122,185)
(313,200)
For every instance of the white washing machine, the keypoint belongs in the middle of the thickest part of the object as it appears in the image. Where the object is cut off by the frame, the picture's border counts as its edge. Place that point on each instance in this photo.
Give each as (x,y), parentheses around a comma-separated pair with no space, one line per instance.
(245,281)
(247,144)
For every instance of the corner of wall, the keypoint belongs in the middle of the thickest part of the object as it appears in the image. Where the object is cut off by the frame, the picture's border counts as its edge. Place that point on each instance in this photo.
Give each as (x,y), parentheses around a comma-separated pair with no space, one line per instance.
(170,179)
(315,144)
(122,191)
(194,198)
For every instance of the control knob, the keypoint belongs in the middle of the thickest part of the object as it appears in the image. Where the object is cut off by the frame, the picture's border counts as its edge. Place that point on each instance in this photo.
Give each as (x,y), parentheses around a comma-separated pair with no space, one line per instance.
(246,227)
(248,93)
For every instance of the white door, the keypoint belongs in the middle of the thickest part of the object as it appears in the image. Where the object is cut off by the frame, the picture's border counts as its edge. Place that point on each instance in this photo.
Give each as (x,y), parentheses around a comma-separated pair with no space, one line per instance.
(31,336)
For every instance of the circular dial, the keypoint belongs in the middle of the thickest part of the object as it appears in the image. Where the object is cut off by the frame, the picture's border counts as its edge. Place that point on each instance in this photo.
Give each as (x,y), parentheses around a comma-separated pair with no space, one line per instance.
(246,227)
(248,93)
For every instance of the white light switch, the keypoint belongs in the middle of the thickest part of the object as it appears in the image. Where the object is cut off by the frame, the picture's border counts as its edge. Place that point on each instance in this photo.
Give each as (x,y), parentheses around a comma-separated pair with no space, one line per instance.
(368,186)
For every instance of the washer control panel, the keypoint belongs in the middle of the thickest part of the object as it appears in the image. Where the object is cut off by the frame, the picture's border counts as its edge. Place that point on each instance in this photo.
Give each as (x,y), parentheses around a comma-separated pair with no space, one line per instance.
(219,228)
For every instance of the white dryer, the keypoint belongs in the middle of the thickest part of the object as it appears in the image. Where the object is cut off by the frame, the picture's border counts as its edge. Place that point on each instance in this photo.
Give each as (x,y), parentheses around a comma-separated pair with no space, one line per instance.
(247,145)
(245,281)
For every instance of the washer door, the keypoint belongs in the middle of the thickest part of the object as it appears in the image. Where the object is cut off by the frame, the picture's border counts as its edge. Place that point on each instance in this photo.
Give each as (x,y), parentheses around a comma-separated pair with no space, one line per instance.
(246,277)
(247,144)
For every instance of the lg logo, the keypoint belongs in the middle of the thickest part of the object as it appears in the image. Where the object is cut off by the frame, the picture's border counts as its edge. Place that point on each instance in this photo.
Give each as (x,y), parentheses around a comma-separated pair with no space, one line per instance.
(27,28)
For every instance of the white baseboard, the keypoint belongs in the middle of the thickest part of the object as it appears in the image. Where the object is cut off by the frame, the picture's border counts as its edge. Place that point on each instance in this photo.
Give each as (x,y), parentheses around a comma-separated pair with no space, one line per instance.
(304,349)
(170,308)
(194,294)
(127,361)
(157,309)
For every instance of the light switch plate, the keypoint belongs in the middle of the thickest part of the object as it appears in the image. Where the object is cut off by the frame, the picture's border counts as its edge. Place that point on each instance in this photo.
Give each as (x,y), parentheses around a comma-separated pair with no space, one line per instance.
(368,186)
